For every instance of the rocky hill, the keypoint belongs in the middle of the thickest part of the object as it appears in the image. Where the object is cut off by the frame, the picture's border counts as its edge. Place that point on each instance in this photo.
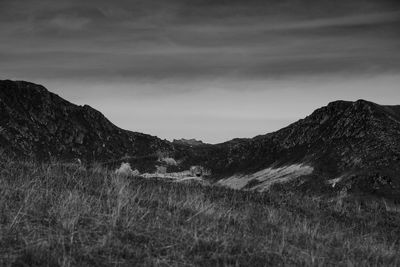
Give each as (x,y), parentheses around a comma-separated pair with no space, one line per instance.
(349,146)
(35,122)
(342,147)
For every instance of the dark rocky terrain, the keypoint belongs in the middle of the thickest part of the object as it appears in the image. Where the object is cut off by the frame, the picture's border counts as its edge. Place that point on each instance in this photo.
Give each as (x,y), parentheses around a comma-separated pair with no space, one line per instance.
(189,142)
(35,122)
(357,143)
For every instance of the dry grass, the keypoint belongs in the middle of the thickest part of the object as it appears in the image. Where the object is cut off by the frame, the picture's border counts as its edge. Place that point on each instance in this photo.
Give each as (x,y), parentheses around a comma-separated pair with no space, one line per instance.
(64,215)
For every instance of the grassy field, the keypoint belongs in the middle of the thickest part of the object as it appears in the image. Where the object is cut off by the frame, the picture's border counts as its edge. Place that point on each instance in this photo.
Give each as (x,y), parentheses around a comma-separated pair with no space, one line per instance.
(64,215)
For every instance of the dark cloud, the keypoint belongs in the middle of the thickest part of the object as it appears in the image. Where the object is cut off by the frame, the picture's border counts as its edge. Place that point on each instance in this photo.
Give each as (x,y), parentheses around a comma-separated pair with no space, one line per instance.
(195,39)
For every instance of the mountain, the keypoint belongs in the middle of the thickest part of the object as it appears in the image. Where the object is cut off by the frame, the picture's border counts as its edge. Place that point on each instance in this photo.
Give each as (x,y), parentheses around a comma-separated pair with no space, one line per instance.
(189,142)
(344,147)
(35,122)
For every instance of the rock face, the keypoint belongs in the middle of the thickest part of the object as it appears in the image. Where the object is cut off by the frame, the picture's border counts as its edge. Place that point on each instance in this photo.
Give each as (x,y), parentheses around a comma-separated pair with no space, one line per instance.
(35,122)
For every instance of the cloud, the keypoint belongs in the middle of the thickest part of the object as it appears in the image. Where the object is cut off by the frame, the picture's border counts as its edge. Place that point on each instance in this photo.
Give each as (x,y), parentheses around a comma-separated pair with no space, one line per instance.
(199,39)
(69,23)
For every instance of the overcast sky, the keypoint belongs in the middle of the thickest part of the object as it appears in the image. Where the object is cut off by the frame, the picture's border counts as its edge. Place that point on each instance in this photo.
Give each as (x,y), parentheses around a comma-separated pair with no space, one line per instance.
(205,69)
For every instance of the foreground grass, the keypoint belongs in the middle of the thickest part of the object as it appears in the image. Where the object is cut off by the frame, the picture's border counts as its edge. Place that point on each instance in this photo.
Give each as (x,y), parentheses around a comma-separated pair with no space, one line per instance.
(63,215)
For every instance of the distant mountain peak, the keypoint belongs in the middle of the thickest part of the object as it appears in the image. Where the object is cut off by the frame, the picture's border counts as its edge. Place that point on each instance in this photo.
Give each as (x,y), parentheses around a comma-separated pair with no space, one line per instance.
(189,142)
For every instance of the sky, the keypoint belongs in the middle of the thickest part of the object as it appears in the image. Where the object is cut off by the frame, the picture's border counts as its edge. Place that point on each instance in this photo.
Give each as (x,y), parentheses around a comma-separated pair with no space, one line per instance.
(206,69)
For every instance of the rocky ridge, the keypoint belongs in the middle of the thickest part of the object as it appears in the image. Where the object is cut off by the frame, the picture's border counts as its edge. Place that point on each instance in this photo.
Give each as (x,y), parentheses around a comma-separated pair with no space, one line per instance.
(189,142)
(344,146)
(357,143)
(37,123)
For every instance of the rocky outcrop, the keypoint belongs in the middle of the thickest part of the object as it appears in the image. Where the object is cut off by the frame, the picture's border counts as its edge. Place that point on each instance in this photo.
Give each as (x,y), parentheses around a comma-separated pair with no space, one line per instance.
(35,122)
(357,141)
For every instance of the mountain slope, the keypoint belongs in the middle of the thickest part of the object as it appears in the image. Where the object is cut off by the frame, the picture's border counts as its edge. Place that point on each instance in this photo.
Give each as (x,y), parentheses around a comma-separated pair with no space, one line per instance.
(356,143)
(39,123)
(345,146)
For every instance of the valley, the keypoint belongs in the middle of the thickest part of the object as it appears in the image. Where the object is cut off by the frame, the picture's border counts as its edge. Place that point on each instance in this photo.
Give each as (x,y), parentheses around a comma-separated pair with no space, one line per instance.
(76,190)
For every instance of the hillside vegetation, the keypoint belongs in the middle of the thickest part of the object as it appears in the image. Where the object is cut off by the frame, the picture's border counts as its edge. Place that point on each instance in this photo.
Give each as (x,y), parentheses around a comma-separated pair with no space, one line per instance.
(65,215)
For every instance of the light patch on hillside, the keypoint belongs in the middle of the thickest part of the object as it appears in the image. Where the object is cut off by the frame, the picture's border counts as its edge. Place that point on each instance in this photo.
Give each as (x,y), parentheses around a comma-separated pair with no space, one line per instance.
(126,170)
(171,175)
(264,179)
(169,161)
(333,182)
